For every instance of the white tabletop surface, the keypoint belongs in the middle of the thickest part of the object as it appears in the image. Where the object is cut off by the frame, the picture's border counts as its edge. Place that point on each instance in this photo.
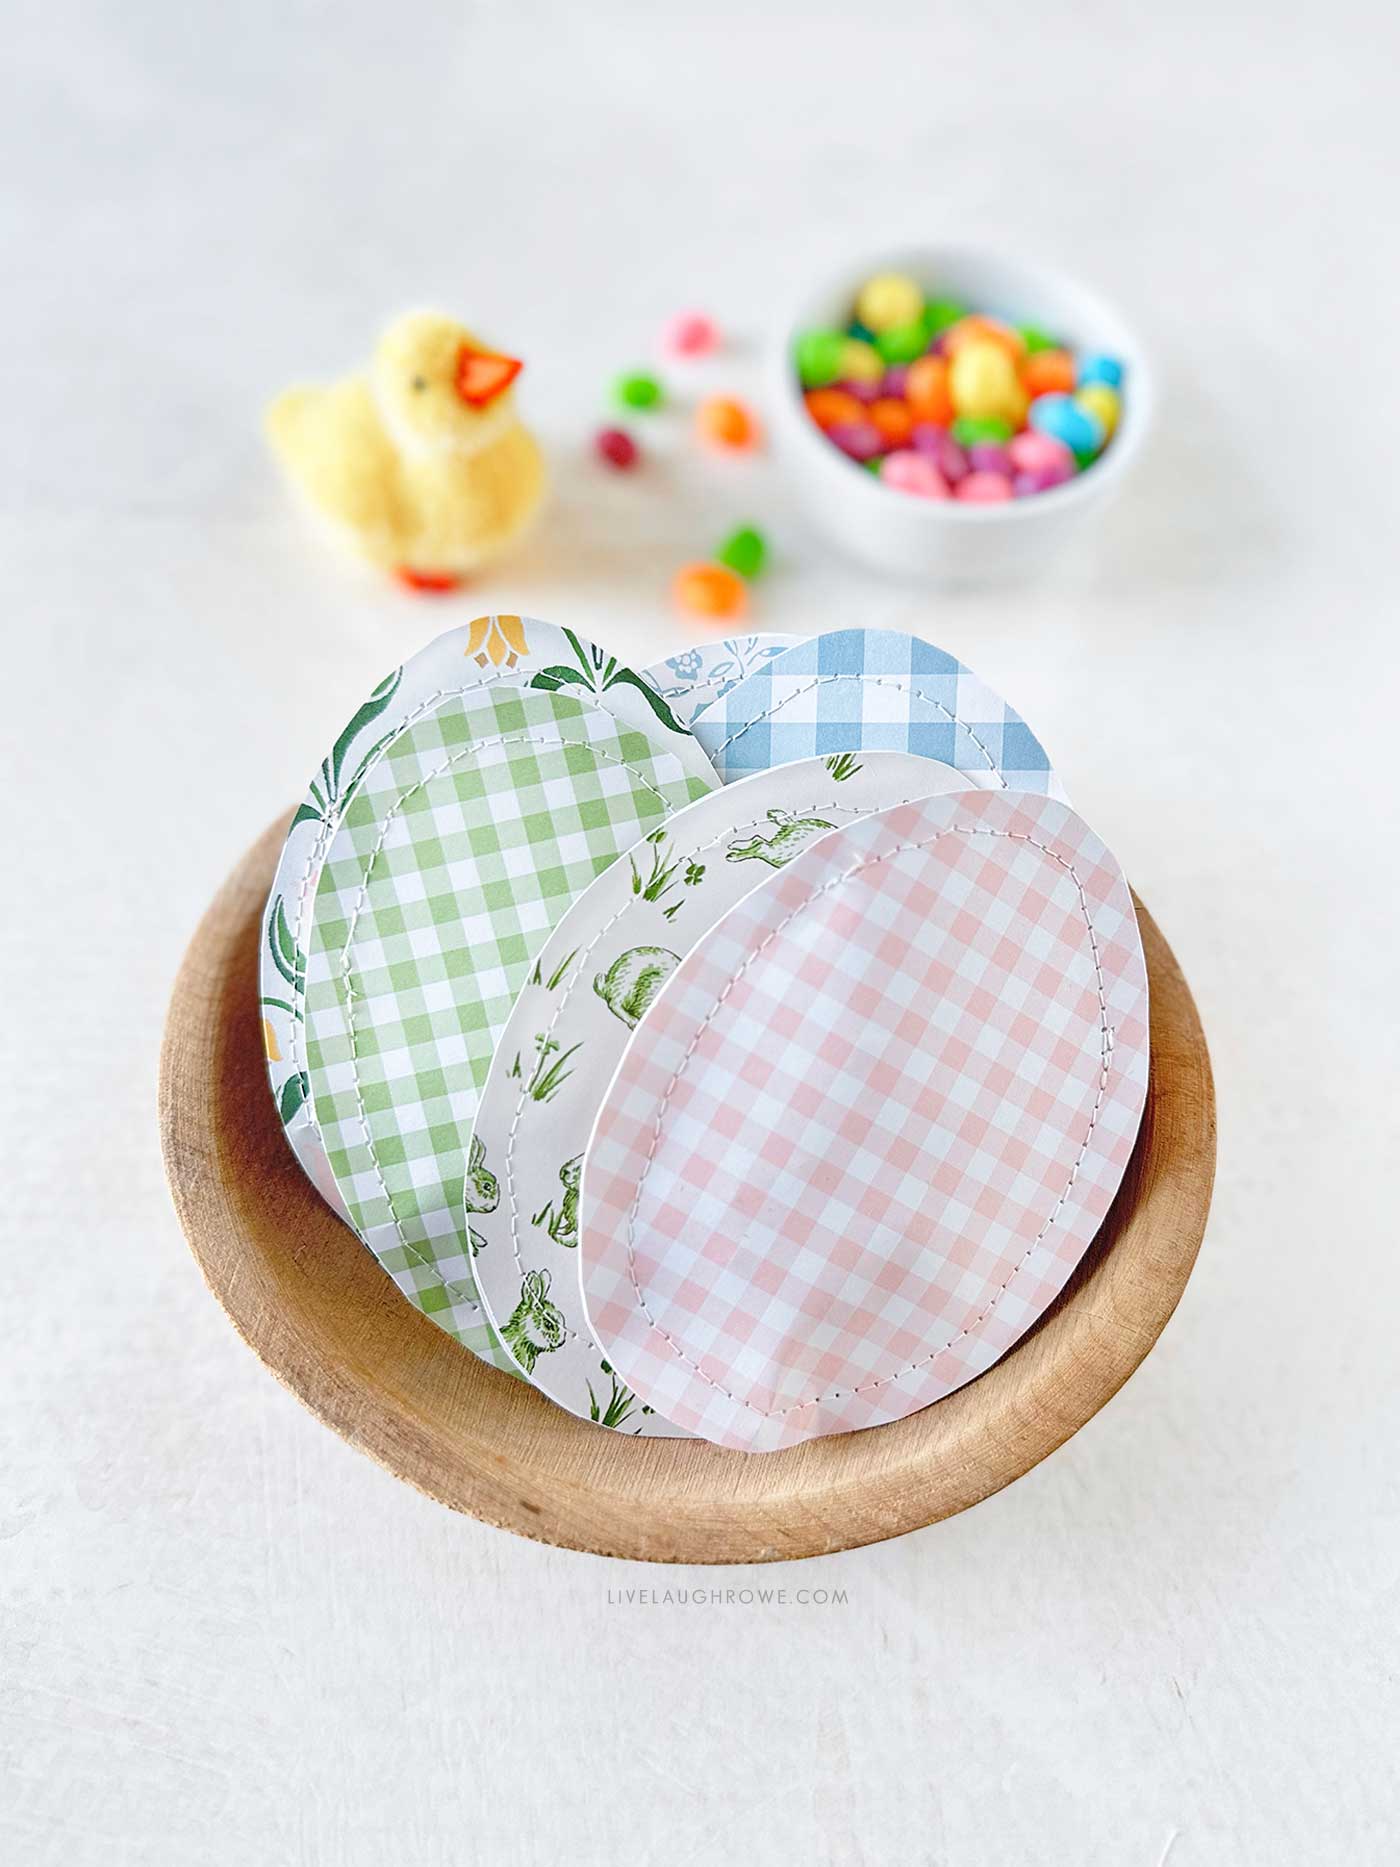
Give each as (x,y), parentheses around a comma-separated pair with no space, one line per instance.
(225,1637)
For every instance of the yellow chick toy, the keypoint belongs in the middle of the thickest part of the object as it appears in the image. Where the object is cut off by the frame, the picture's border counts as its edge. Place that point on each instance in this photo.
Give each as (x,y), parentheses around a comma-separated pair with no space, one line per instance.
(421,462)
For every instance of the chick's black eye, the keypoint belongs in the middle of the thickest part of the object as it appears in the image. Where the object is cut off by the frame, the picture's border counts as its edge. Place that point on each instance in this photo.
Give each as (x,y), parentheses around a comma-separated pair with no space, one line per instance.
(420,383)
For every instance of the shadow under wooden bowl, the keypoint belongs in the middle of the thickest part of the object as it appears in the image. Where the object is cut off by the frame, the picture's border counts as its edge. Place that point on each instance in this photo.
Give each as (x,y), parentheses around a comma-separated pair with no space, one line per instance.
(311,1301)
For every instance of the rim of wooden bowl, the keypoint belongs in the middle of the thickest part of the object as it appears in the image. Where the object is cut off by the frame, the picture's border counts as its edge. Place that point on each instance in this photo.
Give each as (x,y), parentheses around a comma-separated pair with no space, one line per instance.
(312,1303)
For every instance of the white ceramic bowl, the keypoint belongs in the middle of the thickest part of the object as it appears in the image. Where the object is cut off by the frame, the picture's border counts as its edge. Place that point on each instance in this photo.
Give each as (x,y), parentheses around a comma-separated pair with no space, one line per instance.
(940,540)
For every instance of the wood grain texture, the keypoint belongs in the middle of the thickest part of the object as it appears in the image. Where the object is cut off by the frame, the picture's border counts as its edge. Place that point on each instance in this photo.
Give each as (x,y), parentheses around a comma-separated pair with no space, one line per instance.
(311,1301)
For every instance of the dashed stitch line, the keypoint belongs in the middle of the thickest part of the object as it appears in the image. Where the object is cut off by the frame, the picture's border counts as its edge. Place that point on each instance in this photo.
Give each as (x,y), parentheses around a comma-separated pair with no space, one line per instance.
(1105,1056)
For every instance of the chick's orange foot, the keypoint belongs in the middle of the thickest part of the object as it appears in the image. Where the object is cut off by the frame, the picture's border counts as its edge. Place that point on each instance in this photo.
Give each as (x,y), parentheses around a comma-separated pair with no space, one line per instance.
(431,582)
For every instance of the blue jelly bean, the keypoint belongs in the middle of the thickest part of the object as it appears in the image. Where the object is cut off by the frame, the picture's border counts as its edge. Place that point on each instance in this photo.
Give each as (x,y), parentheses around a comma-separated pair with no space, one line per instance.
(1101,369)
(1062,417)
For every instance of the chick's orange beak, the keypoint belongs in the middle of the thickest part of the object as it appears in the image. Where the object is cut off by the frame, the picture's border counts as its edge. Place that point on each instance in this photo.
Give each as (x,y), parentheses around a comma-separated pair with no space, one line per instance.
(482,375)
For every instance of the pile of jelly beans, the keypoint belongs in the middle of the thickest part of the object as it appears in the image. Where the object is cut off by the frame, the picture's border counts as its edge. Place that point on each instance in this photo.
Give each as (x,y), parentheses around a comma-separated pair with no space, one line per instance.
(944,402)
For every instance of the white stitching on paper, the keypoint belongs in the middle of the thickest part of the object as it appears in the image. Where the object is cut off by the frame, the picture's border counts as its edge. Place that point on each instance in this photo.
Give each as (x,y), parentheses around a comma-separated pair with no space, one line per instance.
(1105,1056)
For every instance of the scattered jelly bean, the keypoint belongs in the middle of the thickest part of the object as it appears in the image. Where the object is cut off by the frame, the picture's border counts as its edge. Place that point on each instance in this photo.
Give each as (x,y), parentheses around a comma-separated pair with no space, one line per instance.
(745,552)
(861,362)
(968,429)
(1048,372)
(914,382)
(639,390)
(828,407)
(984,489)
(1061,416)
(862,440)
(894,418)
(725,422)
(691,334)
(819,355)
(1099,368)
(909,472)
(710,590)
(888,300)
(937,445)
(616,447)
(926,389)
(903,342)
(989,457)
(1102,403)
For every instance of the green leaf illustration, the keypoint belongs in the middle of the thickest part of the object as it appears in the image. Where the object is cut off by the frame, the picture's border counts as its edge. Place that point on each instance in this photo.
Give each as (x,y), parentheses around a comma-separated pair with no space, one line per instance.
(628,678)
(552,679)
(371,710)
(283,947)
(294,1092)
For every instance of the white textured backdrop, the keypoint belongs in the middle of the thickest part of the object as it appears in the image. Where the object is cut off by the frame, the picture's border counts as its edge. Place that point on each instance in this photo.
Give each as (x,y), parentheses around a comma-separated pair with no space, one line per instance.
(225,1637)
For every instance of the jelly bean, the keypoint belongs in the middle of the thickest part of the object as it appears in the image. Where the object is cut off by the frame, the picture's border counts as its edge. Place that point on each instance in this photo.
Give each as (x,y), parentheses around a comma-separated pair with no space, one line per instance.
(861,332)
(913,473)
(941,314)
(744,551)
(894,419)
(1048,372)
(888,300)
(1102,403)
(984,489)
(1099,368)
(975,329)
(861,362)
(1032,452)
(902,343)
(982,381)
(989,457)
(866,392)
(874,464)
(1036,339)
(968,429)
(827,407)
(926,390)
(710,590)
(1061,416)
(896,380)
(690,334)
(639,390)
(937,445)
(726,423)
(862,440)
(1041,480)
(616,447)
(818,356)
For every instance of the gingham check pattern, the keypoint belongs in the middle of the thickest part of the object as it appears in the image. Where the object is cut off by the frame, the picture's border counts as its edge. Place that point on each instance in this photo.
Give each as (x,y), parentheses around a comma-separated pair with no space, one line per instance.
(866,689)
(459,852)
(871,1123)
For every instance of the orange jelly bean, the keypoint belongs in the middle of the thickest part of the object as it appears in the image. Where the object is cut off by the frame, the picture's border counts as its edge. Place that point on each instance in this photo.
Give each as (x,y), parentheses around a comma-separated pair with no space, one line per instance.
(894,419)
(726,423)
(977,329)
(709,590)
(1049,372)
(926,391)
(830,407)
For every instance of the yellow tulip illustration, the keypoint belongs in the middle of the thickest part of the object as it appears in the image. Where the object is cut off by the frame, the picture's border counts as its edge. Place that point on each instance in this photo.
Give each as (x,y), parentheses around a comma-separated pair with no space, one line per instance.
(496,640)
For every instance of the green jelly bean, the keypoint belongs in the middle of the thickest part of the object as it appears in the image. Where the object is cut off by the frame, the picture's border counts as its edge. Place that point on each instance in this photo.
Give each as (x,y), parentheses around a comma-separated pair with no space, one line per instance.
(818,355)
(744,551)
(903,343)
(639,390)
(940,314)
(968,430)
(1085,457)
(874,466)
(1036,339)
(861,332)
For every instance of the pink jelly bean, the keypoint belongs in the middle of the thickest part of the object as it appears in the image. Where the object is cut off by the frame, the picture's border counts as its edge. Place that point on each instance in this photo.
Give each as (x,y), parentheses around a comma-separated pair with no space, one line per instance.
(691,334)
(1033,452)
(909,472)
(895,379)
(984,489)
(990,457)
(937,445)
(862,440)
(863,391)
(1042,481)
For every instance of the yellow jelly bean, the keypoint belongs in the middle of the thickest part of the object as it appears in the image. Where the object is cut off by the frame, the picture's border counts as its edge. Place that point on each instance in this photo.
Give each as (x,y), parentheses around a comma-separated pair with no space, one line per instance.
(861,362)
(1102,402)
(983,382)
(889,300)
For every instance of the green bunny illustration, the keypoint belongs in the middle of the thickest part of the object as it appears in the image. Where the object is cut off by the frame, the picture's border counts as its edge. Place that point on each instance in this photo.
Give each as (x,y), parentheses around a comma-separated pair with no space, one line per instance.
(562,1225)
(630,984)
(790,837)
(535,1326)
(482,1192)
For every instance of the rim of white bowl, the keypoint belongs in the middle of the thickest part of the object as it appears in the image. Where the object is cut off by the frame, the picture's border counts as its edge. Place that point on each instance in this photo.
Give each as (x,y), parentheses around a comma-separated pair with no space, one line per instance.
(1139,399)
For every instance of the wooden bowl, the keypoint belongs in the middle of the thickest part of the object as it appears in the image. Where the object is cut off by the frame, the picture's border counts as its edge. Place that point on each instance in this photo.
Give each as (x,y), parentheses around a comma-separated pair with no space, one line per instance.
(308,1298)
